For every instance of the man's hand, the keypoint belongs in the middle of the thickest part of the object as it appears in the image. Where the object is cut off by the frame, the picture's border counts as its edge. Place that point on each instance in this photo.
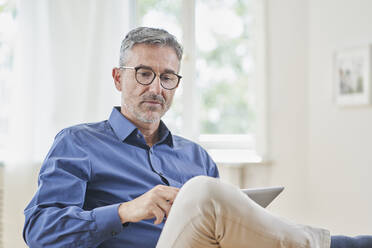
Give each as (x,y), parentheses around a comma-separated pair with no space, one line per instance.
(155,203)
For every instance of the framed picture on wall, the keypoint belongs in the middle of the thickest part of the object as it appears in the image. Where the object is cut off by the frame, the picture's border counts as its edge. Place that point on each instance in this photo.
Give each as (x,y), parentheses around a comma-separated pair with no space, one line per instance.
(353,76)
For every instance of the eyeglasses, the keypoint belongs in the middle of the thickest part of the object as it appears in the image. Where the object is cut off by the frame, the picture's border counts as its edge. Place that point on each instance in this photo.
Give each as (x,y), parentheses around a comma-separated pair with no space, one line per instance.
(145,76)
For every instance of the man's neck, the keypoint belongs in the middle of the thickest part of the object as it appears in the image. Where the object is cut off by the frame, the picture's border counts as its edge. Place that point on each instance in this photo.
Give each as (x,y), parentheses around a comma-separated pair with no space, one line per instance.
(150,131)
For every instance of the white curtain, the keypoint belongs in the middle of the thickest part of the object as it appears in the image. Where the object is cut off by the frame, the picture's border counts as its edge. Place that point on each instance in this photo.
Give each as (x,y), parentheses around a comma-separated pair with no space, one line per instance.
(64,56)
(65,53)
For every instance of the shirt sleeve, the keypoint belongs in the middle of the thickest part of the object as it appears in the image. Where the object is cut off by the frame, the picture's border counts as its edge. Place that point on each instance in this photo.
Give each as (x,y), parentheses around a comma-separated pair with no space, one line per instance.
(210,165)
(55,216)
(212,168)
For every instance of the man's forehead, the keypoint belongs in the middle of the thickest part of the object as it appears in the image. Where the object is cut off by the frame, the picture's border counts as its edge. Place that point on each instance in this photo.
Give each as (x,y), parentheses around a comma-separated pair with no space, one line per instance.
(143,53)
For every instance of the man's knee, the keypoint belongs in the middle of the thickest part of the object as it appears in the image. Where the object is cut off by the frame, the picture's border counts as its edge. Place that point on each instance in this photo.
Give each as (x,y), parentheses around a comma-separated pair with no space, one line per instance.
(202,189)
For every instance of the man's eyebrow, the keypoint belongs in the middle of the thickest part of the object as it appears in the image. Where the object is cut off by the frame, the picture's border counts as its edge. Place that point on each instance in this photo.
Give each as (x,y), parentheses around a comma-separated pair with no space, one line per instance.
(169,71)
(144,66)
(149,67)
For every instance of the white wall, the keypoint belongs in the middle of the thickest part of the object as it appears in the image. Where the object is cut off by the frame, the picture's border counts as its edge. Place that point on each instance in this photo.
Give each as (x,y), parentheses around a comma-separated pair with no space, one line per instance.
(340,139)
(320,151)
(287,106)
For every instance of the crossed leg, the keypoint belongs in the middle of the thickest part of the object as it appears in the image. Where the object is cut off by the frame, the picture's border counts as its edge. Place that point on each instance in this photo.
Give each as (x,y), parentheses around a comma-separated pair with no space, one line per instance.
(209,213)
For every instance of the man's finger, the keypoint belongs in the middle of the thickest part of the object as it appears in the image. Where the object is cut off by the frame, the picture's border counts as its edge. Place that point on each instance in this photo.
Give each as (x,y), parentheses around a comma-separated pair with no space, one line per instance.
(168,193)
(159,215)
(165,206)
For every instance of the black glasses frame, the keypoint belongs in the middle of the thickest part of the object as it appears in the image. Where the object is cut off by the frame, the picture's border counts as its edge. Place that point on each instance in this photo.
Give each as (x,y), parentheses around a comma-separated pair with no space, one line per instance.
(149,68)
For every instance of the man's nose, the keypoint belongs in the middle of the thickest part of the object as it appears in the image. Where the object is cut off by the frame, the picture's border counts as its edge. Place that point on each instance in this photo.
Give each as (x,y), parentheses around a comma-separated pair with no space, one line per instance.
(155,86)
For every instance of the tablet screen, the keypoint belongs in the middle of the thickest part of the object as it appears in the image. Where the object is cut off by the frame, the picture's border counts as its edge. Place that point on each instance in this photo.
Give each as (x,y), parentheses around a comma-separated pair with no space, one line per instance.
(263,196)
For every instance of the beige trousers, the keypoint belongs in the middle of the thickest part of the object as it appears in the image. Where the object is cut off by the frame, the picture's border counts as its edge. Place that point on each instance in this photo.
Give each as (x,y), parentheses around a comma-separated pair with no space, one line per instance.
(209,213)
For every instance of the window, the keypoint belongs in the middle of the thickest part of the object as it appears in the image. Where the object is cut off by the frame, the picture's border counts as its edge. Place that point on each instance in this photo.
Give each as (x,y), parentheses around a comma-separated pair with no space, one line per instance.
(220,101)
(7,42)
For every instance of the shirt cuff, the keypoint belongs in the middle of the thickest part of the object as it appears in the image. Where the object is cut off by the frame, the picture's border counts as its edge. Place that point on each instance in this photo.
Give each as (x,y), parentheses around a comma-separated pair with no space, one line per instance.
(108,221)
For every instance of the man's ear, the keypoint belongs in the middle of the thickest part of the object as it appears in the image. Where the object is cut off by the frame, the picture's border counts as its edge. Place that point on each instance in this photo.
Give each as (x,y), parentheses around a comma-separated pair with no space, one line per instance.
(116,75)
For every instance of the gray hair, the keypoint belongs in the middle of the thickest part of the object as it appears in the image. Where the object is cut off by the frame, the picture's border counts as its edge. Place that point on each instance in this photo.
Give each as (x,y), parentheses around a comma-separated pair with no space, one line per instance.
(151,36)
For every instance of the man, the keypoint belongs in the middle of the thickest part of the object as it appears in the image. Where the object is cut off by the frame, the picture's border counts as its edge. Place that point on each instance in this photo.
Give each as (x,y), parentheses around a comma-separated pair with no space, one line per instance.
(114,183)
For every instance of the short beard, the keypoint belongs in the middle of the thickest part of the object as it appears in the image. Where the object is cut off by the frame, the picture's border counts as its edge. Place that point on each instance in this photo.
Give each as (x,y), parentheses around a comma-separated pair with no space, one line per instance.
(141,117)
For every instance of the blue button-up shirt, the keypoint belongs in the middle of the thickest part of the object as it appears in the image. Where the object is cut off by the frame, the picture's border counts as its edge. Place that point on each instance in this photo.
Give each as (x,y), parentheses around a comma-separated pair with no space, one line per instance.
(91,169)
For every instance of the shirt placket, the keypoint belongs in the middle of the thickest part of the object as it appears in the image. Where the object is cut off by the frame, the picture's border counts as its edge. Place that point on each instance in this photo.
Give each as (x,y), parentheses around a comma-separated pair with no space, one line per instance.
(152,160)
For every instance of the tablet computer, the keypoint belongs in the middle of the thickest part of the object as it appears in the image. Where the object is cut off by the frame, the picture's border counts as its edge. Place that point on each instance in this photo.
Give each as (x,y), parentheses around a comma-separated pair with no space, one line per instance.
(263,196)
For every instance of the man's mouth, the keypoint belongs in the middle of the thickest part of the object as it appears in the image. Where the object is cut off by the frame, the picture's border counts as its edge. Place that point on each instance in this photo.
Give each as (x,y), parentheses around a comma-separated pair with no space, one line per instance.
(152,102)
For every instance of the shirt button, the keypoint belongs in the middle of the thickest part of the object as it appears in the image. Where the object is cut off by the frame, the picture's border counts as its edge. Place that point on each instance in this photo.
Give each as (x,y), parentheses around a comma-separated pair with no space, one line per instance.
(138,136)
(113,233)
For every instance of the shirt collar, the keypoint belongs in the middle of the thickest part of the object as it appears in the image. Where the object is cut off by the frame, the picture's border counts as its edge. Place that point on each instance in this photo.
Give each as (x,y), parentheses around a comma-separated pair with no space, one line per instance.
(123,127)
(165,135)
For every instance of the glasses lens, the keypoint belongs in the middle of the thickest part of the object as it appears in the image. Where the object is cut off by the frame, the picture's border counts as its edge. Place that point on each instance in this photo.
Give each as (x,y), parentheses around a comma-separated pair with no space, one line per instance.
(145,76)
(169,80)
